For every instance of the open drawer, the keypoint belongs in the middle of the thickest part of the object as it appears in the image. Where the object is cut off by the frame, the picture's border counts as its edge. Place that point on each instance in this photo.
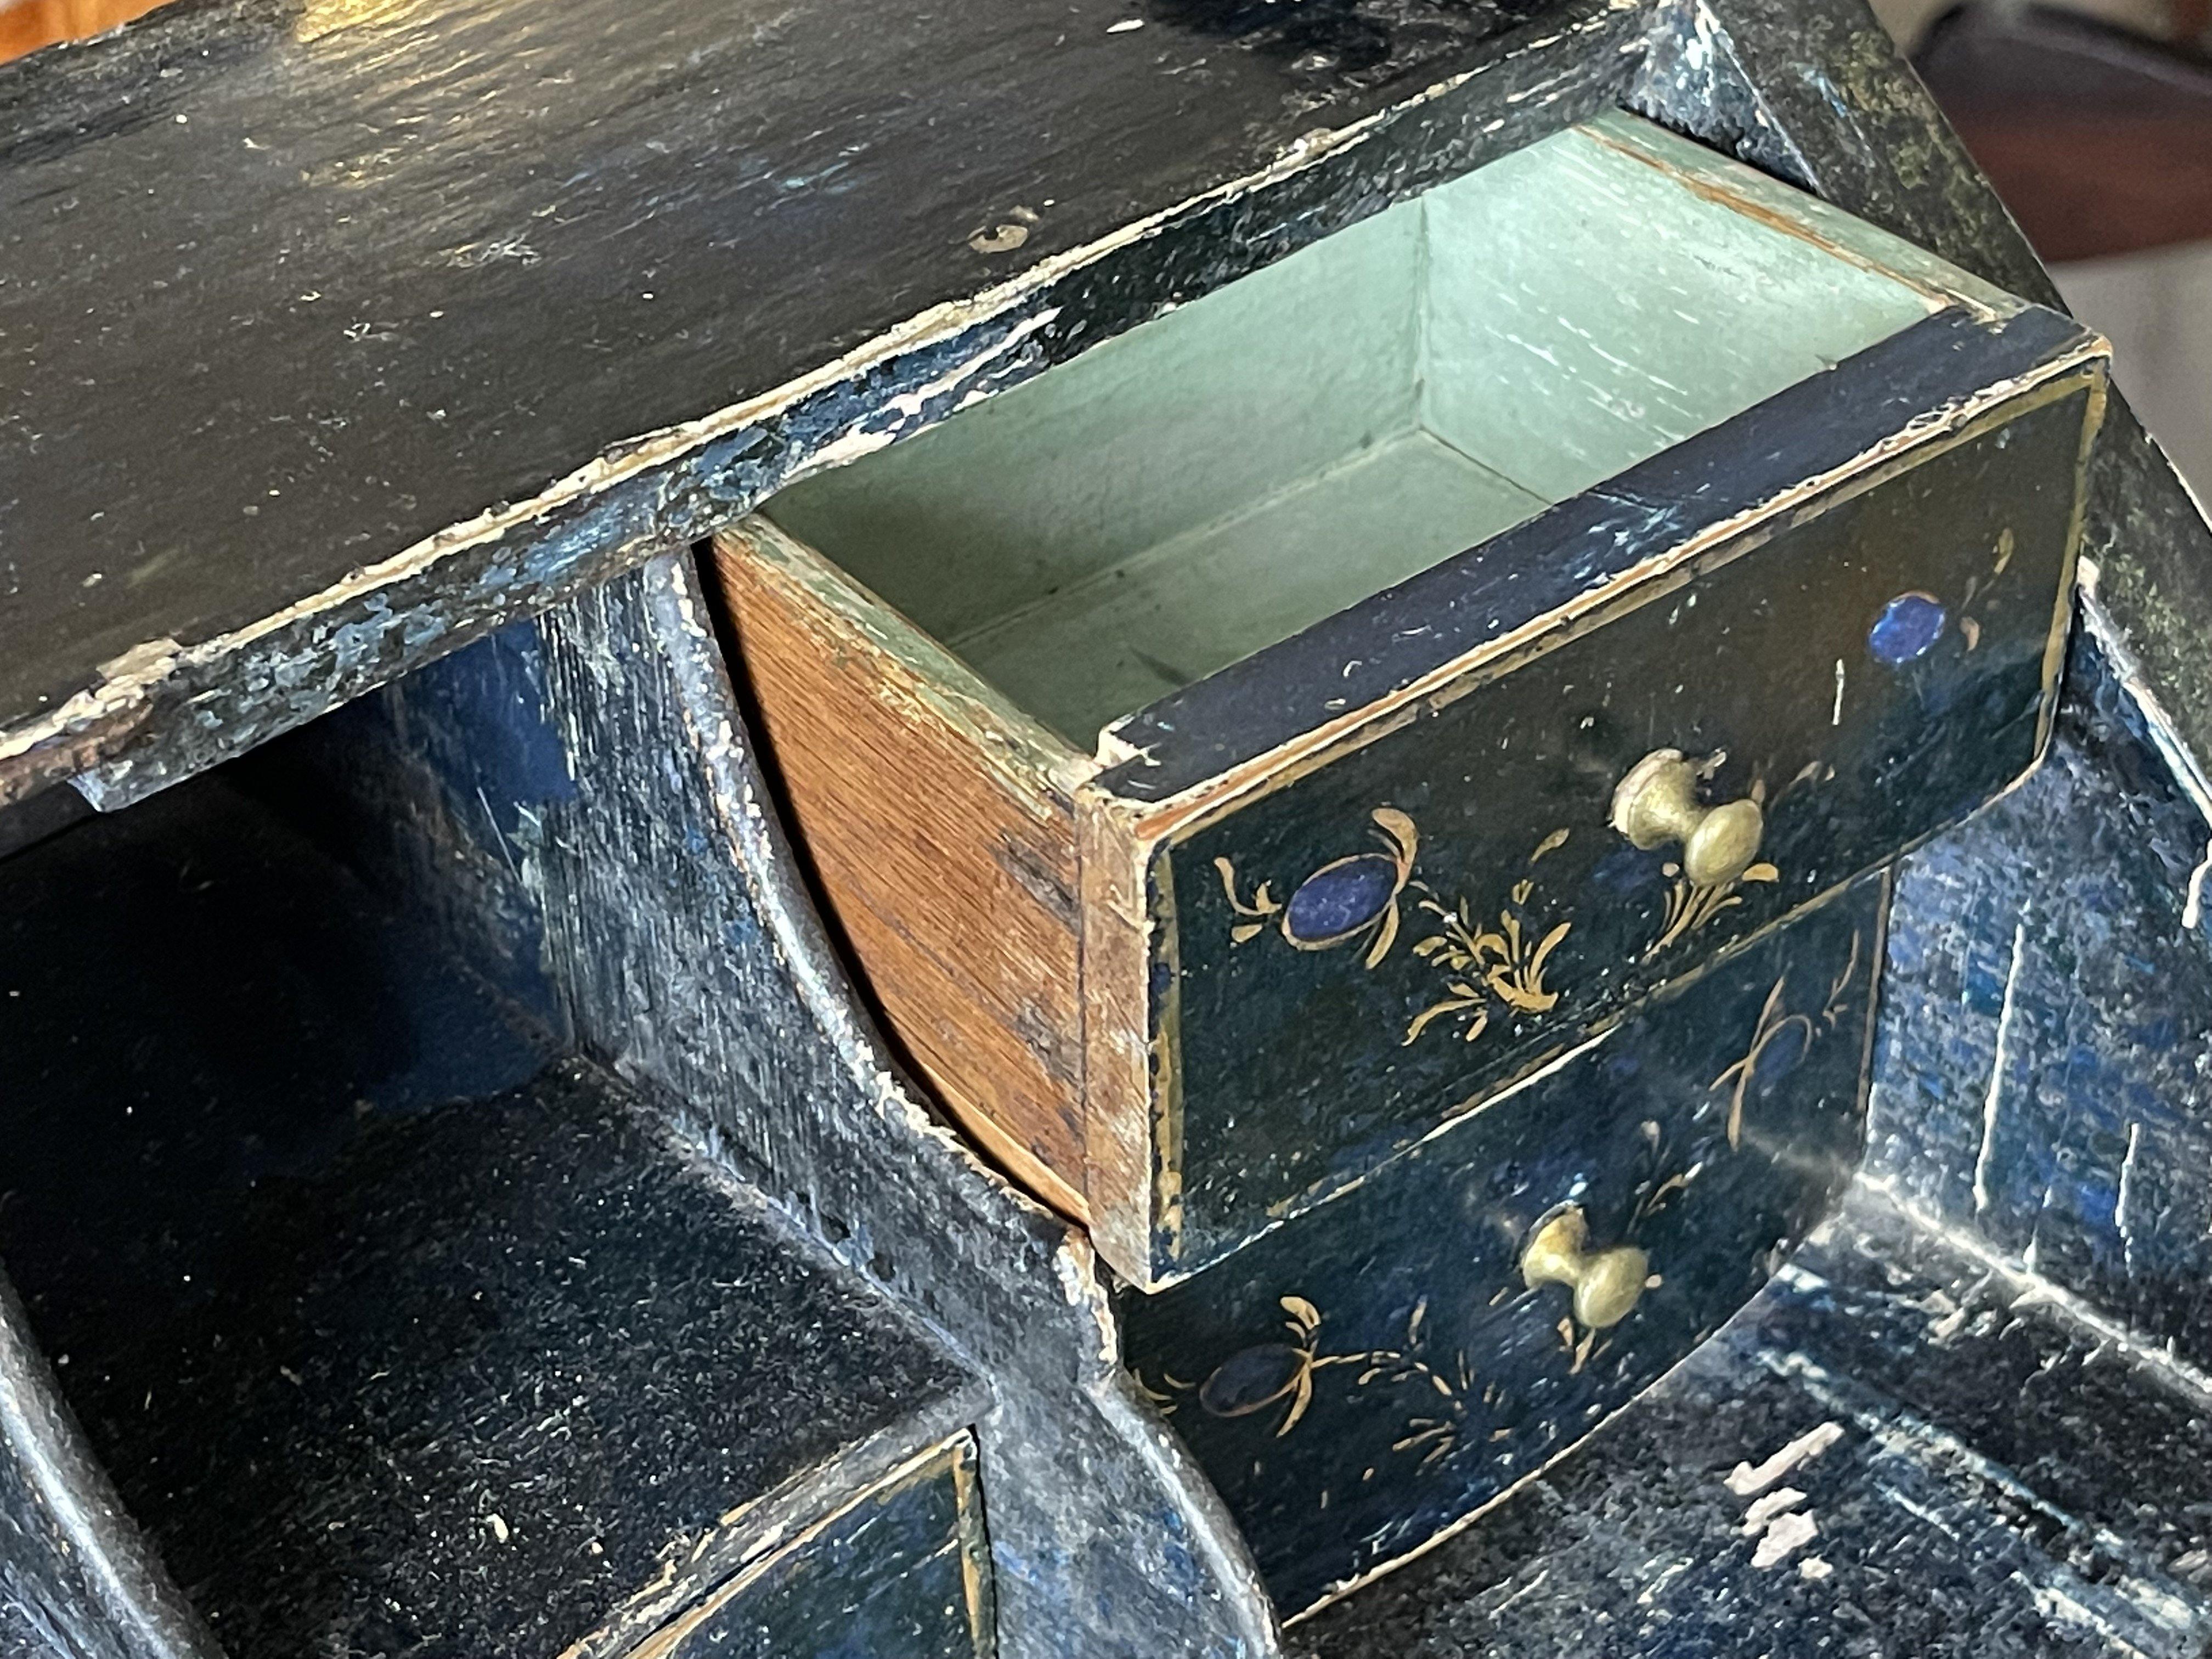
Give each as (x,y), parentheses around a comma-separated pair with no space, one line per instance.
(1237,751)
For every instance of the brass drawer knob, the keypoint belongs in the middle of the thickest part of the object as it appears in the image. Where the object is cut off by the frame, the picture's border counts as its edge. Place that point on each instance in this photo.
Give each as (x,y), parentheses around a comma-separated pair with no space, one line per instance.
(1657,803)
(1607,1283)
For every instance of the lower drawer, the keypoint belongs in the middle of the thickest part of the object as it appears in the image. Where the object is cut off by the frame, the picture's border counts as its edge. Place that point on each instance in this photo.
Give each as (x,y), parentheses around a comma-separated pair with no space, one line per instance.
(903,1572)
(1384,1366)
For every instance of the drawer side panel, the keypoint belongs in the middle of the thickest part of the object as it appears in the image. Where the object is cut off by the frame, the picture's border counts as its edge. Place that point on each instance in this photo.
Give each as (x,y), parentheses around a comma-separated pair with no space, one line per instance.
(928,830)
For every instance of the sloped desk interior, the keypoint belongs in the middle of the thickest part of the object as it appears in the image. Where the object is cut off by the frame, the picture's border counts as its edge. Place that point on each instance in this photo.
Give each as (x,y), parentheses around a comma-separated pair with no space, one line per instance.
(239,492)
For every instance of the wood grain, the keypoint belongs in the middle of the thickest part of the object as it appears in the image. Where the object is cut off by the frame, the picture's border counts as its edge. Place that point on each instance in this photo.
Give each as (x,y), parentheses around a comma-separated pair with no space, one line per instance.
(29,24)
(942,843)
(1133,1155)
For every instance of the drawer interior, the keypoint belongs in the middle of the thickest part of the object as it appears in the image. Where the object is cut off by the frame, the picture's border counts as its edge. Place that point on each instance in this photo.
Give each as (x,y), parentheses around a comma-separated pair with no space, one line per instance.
(1222,478)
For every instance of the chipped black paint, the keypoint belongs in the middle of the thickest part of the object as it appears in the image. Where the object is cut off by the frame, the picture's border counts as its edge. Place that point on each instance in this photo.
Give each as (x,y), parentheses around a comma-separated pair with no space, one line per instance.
(1376,1369)
(1300,1069)
(1814,92)
(1806,88)
(2040,1078)
(888,1577)
(394,1341)
(683,952)
(516,259)
(1580,548)
(1975,1488)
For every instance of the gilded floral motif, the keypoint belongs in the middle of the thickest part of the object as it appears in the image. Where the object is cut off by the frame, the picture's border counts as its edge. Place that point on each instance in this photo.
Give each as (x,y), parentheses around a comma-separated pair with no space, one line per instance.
(1351,898)
(1482,964)
(1360,898)
(1279,1377)
(1691,906)
(1776,1028)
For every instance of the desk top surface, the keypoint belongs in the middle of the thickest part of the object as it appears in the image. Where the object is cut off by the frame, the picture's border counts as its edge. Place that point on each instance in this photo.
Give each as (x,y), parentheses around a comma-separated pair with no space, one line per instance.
(294,296)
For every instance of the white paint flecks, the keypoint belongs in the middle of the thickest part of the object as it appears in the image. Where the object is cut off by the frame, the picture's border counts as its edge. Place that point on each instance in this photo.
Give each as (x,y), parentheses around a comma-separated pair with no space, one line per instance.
(1765,1508)
(2192,906)
(1789,1533)
(2127,1191)
(1815,1568)
(1951,1322)
(133,679)
(1837,719)
(1529,1588)
(1746,1482)
(1650,1592)
(1996,1074)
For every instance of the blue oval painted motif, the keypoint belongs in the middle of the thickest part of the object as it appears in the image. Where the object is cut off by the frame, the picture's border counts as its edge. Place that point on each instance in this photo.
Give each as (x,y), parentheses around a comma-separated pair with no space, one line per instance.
(1907,628)
(1341,898)
(1258,1377)
(1781,1054)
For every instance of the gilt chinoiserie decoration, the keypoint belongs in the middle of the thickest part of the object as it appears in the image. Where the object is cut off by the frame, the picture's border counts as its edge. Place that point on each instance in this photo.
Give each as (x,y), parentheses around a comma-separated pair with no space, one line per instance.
(1319,742)
(1381,1366)
(1884,660)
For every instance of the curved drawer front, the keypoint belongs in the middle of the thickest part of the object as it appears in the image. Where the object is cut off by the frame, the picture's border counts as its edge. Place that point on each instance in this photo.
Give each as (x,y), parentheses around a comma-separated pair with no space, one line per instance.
(1209,748)
(1380,1367)
(1394,933)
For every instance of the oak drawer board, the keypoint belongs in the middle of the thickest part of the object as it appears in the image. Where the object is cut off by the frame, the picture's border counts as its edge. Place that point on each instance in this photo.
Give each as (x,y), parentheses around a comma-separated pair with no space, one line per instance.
(1235,752)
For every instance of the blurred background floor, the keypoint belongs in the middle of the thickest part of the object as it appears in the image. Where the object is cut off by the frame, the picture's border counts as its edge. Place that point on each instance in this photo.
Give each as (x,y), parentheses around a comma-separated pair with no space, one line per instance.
(2094,121)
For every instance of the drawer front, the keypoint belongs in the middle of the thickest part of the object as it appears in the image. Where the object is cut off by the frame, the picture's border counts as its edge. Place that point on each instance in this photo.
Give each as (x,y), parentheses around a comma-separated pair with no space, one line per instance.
(1378,1368)
(1382,941)
(904,1573)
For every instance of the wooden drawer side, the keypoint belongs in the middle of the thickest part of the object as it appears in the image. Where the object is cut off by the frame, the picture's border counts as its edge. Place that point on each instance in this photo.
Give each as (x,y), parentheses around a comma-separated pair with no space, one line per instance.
(930,821)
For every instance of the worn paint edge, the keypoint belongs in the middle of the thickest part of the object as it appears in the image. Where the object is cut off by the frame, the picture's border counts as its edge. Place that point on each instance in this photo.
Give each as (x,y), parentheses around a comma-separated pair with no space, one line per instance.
(2128,668)
(758,1533)
(774,1551)
(1926,435)
(1164,1047)
(1715,176)
(1122,1404)
(754,844)
(2054,650)
(2035,1291)
(692,1563)
(132,1592)
(1114,956)
(1018,750)
(971,1528)
(131,678)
